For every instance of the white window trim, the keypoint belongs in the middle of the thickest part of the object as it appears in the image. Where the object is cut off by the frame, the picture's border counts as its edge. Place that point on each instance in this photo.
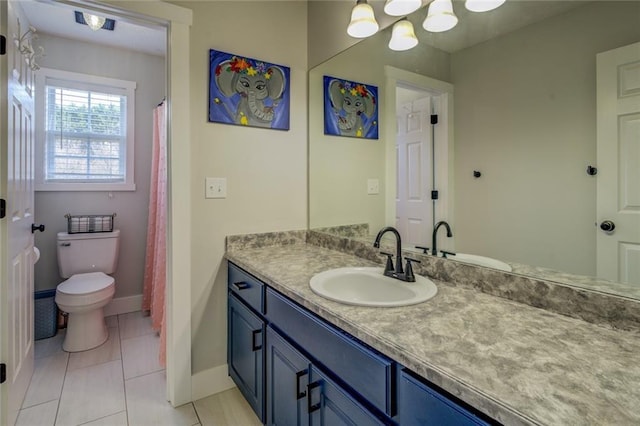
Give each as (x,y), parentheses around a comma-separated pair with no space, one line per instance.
(41,184)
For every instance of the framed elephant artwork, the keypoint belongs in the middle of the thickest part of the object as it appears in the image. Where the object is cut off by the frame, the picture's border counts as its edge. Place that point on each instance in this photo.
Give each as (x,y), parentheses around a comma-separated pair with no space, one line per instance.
(248,92)
(350,108)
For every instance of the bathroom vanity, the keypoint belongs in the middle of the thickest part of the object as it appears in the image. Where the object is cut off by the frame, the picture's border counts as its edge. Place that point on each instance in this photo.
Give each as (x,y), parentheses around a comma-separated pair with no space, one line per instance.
(463,357)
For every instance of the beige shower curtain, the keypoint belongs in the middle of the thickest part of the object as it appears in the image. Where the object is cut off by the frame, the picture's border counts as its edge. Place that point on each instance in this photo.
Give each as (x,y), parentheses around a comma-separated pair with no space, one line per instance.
(155,272)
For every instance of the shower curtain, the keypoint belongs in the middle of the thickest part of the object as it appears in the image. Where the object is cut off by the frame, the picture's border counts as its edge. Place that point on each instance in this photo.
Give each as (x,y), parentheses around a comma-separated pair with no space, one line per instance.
(155,272)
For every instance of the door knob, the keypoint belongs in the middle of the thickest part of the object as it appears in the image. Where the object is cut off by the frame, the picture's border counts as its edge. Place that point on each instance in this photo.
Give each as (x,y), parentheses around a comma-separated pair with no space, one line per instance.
(35,228)
(607,226)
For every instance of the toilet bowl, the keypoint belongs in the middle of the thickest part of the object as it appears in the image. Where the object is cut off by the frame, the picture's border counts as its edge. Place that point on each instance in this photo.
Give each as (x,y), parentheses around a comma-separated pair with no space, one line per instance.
(83,297)
(86,260)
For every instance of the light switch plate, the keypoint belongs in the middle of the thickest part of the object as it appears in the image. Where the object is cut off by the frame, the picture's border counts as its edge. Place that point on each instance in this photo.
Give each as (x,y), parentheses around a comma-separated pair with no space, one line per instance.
(215,187)
(373,186)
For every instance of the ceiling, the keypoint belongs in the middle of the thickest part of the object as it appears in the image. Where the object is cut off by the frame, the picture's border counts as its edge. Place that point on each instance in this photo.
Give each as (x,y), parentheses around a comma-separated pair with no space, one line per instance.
(474,28)
(59,19)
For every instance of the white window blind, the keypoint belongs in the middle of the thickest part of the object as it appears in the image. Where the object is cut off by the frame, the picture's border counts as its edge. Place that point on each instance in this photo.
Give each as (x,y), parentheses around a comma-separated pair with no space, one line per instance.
(86,135)
(85,132)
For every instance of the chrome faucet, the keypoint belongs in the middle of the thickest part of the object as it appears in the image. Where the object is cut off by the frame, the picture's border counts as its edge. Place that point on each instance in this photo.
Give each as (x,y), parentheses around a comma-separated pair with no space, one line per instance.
(434,250)
(389,270)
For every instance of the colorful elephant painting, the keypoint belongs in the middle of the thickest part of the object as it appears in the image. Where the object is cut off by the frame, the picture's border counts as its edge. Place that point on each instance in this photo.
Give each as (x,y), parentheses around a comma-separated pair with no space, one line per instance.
(350,108)
(248,92)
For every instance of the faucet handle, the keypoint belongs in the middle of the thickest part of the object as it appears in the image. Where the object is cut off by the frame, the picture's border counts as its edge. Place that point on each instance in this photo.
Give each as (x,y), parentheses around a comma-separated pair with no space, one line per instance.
(408,270)
(389,266)
(425,250)
(445,253)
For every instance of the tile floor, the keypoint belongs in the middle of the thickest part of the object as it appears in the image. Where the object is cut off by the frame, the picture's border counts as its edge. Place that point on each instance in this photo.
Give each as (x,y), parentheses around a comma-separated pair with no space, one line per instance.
(118,383)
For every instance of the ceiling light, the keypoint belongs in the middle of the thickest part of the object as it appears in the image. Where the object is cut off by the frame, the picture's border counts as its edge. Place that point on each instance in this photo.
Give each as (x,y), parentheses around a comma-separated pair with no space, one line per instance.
(440,16)
(403,37)
(363,21)
(94,22)
(483,5)
(401,7)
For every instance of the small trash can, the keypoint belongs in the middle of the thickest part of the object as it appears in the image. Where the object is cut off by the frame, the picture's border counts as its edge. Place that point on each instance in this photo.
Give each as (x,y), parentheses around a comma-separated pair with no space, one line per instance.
(46,314)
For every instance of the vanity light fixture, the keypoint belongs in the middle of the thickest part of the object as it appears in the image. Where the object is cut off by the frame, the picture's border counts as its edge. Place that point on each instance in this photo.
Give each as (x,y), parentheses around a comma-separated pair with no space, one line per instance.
(440,17)
(401,7)
(402,36)
(363,21)
(483,5)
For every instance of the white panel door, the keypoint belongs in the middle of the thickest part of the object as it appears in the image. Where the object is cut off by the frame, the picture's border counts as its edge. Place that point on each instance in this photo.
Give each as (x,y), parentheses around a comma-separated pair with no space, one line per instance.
(414,215)
(618,150)
(17,238)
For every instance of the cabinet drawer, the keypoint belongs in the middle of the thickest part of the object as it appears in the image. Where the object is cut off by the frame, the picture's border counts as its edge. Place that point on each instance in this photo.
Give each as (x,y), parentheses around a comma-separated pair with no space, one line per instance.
(246,287)
(422,404)
(367,372)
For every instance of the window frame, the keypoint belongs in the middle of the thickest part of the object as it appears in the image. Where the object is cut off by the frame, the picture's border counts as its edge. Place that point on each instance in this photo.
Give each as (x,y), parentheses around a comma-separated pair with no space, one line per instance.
(73,80)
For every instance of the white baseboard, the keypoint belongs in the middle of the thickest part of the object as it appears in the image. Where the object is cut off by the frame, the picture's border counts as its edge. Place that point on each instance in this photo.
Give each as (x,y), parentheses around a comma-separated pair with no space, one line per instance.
(123,305)
(211,381)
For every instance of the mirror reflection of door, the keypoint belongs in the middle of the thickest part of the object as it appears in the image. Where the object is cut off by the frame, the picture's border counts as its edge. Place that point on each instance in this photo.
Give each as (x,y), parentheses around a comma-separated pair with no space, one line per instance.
(618,151)
(418,156)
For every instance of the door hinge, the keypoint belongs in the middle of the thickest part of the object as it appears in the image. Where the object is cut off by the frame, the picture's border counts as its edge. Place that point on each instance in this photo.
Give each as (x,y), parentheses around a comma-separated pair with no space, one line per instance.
(3,208)
(3,45)
(3,373)
(434,118)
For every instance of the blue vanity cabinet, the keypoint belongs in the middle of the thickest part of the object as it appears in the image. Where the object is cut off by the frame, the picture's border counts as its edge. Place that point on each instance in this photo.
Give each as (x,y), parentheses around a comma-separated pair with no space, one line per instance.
(246,336)
(287,380)
(422,404)
(300,394)
(328,404)
(294,368)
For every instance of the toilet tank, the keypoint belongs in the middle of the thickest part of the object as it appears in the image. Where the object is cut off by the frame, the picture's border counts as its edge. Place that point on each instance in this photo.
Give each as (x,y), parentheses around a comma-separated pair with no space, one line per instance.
(90,252)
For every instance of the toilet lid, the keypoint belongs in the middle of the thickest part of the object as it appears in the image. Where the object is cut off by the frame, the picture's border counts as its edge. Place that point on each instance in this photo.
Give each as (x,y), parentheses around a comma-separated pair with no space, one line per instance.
(86,283)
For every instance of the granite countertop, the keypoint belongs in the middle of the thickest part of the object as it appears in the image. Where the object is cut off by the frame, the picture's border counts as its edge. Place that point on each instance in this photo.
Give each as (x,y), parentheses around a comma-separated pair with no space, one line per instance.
(516,363)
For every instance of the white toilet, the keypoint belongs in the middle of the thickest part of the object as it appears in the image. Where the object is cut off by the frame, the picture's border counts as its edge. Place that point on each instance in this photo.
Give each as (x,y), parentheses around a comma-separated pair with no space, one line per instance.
(86,259)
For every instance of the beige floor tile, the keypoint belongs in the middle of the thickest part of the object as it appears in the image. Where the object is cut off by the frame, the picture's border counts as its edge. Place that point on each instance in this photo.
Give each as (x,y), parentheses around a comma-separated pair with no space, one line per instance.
(46,382)
(134,324)
(119,419)
(228,408)
(38,415)
(51,346)
(91,393)
(108,351)
(140,355)
(146,403)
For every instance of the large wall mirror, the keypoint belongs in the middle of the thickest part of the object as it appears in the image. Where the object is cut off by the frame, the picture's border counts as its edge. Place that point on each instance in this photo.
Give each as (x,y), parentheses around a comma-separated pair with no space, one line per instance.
(515,92)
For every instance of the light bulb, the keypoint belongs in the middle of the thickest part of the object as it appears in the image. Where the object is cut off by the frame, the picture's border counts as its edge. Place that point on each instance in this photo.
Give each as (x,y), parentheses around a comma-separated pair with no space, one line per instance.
(483,5)
(440,16)
(93,21)
(401,7)
(403,37)
(363,21)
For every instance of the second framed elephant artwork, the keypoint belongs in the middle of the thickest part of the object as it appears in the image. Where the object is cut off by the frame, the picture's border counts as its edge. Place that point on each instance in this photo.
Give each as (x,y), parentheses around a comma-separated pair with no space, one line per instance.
(350,108)
(248,92)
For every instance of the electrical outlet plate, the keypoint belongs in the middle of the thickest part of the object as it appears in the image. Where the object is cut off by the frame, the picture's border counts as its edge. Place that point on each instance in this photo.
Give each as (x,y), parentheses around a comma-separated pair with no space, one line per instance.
(373,186)
(215,187)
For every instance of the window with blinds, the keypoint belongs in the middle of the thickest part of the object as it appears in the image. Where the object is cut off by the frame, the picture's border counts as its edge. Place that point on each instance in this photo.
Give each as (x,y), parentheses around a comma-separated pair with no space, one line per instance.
(86,135)
(87,132)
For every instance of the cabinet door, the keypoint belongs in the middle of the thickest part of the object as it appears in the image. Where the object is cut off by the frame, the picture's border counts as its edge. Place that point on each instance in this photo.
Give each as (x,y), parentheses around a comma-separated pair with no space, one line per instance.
(421,404)
(329,405)
(246,354)
(287,380)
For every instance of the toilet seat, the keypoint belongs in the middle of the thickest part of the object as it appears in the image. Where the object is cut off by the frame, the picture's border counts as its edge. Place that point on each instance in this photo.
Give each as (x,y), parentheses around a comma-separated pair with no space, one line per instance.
(84,284)
(85,289)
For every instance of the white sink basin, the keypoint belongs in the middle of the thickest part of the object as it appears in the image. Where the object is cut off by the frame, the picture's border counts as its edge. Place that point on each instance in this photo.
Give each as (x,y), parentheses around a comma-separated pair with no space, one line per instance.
(368,287)
(487,262)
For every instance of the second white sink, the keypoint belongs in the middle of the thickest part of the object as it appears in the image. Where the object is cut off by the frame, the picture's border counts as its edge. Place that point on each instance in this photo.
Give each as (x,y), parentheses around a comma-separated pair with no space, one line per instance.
(369,287)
